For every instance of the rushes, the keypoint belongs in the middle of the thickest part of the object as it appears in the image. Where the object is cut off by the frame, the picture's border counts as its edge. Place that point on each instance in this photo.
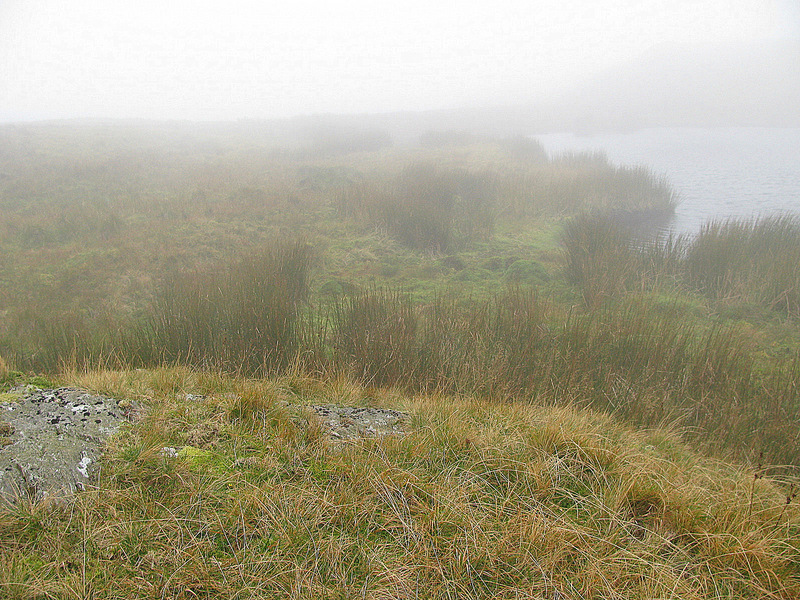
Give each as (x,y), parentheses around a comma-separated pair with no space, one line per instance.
(242,315)
(438,207)
(571,183)
(427,207)
(756,261)
(599,257)
(376,337)
(642,359)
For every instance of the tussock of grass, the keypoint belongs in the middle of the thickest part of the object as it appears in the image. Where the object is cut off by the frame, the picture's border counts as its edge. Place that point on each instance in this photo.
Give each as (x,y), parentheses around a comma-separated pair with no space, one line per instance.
(425,207)
(756,260)
(480,500)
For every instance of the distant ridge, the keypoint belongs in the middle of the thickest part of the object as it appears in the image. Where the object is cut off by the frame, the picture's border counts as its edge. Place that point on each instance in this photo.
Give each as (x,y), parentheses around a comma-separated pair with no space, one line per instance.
(755,84)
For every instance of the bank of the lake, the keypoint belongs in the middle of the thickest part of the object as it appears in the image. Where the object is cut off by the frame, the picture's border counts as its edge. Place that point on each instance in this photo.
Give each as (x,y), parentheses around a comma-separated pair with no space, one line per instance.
(719,173)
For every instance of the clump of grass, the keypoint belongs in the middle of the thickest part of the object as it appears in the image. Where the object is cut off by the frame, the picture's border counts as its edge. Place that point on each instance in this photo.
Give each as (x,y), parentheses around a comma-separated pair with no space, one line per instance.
(241,315)
(427,207)
(605,256)
(599,257)
(755,260)
(375,337)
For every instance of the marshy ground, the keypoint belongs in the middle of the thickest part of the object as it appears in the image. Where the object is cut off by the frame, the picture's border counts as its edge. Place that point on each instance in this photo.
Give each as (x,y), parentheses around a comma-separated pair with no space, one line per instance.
(582,405)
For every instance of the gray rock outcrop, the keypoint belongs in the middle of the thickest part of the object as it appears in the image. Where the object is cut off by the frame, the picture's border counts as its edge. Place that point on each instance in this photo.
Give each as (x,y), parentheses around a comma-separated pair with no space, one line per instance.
(347,422)
(51,440)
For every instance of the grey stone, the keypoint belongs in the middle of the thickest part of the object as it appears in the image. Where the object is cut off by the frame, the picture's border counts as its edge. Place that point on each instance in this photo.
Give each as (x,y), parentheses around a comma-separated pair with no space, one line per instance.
(54,441)
(348,422)
(169,452)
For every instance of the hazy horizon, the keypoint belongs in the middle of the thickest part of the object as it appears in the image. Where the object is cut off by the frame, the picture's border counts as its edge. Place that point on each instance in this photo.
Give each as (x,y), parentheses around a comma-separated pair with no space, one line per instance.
(205,61)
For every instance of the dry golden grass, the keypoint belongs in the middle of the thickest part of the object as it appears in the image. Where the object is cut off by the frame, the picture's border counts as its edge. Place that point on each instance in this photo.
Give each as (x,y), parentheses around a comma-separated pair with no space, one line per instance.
(480,500)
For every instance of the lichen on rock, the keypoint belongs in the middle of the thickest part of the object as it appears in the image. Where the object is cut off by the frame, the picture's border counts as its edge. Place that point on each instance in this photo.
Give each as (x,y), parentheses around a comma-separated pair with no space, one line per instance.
(54,441)
(349,422)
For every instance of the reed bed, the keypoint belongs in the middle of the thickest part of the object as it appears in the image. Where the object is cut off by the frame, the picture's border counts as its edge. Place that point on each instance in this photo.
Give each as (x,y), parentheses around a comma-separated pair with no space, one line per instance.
(572,183)
(640,359)
(753,261)
(433,205)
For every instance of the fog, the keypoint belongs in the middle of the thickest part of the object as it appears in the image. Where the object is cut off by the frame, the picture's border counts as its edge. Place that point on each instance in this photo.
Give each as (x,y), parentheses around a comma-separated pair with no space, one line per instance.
(201,60)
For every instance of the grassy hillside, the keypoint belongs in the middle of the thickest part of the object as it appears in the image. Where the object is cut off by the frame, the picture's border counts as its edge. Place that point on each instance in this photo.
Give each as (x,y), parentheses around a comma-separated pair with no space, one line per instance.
(478,500)
(509,301)
(468,266)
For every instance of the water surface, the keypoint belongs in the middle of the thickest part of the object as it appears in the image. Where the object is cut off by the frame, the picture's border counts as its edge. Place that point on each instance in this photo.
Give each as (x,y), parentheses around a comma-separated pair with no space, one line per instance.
(718,173)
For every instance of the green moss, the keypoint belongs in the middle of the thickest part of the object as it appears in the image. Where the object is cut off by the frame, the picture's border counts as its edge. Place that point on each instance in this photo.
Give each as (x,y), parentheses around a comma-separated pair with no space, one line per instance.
(39,381)
(14,379)
(205,460)
(527,271)
(195,455)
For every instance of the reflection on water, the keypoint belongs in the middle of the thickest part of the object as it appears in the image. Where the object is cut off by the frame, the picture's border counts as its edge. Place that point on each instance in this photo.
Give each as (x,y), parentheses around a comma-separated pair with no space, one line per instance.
(718,173)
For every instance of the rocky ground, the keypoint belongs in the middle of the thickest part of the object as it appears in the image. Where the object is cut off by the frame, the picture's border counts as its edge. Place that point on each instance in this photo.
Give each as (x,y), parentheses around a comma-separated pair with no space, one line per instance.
(51,440)
(347,422)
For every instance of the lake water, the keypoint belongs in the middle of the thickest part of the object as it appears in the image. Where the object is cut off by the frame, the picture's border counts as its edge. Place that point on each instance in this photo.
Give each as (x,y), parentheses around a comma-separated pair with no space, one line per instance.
(718,173)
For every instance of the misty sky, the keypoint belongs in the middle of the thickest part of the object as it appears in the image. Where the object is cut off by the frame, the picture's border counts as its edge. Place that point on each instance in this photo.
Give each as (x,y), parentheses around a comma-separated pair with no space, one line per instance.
(204,60)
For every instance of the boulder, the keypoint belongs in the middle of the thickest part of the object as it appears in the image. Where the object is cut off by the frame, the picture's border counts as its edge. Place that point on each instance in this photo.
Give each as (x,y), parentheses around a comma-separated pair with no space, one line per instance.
(51,440)
(347,423)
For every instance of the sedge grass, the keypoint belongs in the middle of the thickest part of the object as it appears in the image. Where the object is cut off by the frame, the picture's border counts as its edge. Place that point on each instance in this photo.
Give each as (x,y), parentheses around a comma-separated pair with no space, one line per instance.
(755,260)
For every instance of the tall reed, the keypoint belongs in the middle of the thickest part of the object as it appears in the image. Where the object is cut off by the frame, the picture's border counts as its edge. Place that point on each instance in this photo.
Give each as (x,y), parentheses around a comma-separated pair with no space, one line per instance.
(375,338)
(237,316)
(599,256)
(753,260)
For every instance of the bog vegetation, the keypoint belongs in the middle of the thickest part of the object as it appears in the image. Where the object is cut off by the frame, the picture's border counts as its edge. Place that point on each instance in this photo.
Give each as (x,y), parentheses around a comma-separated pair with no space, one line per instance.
(462,266)
(492,290)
